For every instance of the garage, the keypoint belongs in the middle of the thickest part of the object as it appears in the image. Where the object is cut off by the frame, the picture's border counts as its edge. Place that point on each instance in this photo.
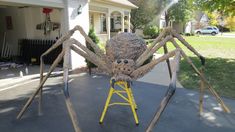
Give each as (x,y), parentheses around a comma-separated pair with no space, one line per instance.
(28,30)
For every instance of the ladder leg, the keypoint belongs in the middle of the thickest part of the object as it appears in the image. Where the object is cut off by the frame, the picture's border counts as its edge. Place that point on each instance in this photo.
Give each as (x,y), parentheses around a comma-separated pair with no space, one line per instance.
(132,97)
(106,105)
(132,106)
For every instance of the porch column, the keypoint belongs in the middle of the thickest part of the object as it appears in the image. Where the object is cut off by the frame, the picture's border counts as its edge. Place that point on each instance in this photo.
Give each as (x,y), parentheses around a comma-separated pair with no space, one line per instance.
(129,22)
(123,23)
(108,24)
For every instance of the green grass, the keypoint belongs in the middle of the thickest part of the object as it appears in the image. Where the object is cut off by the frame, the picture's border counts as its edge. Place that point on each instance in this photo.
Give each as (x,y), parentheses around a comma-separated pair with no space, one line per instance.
(220,72)
(209,46)
(233,32)
(220,63)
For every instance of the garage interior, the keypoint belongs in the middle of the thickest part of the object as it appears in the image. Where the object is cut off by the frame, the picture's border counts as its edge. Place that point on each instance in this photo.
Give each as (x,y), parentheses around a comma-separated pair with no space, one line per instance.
(22,25)
(26,32)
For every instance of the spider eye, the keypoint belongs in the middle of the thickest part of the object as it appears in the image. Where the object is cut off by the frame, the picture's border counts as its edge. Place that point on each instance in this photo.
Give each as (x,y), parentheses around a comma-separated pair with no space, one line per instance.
(119,61)
(125,61)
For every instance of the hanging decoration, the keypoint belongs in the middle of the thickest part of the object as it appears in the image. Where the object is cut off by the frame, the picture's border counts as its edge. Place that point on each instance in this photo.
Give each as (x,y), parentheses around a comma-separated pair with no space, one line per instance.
(47,25)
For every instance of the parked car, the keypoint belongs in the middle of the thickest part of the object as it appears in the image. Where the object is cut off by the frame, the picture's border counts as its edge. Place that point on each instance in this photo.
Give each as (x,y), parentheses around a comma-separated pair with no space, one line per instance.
(208,30)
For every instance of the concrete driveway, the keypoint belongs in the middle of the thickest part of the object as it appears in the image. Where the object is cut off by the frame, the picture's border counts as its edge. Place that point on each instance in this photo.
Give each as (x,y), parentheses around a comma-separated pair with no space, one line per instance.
(88,94)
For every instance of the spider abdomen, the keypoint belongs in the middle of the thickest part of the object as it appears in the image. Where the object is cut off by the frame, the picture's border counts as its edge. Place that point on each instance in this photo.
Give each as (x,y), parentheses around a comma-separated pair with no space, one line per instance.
(125,46)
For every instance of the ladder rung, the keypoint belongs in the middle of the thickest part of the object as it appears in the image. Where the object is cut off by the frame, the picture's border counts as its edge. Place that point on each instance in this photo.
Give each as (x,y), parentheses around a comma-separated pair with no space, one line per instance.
(119,91)
(123,97)
(118,103)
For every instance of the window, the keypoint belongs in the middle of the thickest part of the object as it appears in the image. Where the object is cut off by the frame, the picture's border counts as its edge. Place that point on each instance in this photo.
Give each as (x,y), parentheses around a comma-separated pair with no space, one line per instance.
(103,23)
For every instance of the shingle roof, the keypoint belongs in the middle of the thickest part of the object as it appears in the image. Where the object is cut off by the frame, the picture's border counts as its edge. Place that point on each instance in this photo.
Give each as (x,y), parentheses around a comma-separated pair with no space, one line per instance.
(121,2)
(124,2)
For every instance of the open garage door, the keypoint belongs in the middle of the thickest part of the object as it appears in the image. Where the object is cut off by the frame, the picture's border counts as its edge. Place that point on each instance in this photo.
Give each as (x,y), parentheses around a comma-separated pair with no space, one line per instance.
(27,30)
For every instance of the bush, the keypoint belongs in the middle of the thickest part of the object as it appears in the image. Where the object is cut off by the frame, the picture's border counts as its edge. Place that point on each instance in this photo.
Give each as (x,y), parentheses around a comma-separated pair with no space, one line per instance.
(96,40)
(151,31)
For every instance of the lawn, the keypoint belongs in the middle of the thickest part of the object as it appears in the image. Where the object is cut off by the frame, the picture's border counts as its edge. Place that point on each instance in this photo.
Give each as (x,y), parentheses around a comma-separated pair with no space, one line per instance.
(220,63)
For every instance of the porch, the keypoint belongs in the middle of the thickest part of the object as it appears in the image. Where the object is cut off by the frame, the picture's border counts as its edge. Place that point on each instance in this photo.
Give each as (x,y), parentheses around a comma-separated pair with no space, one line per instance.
(108,20)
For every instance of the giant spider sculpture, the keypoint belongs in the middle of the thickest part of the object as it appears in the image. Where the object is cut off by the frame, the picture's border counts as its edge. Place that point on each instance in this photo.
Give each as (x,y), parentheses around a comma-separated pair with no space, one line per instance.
(124,60)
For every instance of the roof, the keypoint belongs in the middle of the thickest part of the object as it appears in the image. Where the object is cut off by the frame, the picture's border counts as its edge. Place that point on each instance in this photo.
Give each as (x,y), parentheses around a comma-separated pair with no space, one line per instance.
(120,2)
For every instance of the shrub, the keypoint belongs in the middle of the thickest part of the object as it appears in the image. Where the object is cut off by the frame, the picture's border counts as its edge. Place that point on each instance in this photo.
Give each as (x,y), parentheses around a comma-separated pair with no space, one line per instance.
(96,40)
(151,31)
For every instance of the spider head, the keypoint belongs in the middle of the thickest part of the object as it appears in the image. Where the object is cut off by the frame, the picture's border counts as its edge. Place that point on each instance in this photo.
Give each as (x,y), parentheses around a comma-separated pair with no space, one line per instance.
(122,68)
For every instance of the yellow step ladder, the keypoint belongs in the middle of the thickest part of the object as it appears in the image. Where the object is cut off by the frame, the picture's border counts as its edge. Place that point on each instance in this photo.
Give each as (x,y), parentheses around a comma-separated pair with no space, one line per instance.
(125,93)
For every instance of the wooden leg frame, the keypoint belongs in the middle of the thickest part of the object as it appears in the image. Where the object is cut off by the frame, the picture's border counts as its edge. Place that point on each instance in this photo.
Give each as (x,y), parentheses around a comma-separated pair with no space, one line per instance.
(172,85)
(97,58)
(66,54)
(100,61)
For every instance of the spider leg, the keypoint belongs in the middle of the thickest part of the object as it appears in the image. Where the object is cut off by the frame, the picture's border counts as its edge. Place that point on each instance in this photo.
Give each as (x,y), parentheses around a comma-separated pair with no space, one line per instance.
(170,92)
(203,79)
(167,60)
(89,55)
(43,80)
(158,39)
(54,46)
(141,71)
(68,101)
(185,43)
(98,58)
(151,51)
(96,48)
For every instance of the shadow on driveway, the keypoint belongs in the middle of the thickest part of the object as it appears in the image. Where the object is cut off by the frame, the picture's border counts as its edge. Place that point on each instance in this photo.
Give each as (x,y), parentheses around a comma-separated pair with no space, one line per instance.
(88,94)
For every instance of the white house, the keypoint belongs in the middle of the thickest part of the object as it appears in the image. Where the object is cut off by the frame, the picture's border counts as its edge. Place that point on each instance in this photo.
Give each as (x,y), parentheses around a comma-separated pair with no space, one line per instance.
(19,19)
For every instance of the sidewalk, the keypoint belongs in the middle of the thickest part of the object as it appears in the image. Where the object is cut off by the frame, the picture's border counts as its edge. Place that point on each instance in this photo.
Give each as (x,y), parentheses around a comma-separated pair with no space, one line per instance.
(159,75)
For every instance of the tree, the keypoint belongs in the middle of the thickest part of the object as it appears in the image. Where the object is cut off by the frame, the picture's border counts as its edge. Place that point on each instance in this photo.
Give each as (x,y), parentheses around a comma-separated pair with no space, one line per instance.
(225,7)
(180,12)
(161,6)
(96,40)
(174,10)
(151,31)
(141,16)
(214,18)
(230,23)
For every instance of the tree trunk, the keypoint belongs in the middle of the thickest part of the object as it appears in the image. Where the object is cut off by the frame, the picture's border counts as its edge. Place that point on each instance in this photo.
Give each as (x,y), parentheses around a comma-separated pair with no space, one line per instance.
(167,18)
(133,29)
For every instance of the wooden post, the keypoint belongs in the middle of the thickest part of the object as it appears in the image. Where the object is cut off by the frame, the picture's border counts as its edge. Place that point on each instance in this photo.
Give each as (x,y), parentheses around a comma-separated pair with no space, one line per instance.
(123,21)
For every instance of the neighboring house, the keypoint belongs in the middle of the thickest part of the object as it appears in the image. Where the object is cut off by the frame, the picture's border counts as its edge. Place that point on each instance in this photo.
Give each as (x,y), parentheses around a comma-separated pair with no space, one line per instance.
(19,19)
(200,20)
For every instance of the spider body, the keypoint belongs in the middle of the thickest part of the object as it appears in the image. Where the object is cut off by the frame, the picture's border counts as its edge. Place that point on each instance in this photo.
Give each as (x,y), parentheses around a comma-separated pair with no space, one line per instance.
(123,50)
